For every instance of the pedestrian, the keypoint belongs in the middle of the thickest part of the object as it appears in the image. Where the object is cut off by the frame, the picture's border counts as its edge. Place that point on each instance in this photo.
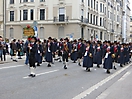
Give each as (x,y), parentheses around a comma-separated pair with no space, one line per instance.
(32,48)
(80,51)
(98,55)
(39,53)
(14,49)
(88,56)
(49,52)
(74,54)
(1,48)
(66,52)
(108,60)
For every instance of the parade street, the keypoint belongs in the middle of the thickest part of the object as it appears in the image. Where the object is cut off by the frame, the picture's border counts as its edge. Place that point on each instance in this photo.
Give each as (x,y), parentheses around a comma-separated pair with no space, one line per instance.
(56,83)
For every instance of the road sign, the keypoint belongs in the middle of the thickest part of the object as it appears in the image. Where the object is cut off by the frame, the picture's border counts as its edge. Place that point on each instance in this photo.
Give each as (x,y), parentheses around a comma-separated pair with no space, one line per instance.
(35,23)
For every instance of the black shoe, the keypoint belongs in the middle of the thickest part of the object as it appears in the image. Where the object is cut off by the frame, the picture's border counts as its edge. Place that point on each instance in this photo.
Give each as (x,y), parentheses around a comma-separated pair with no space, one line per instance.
(19,58)
(15,60)
(88,70)
(121,65)
(98,66)
(115,68)
(79,64)
(74,62)
(60,61)
(108,72)
(38,64)
(65,67)
(33,75)
(49,65)
(30,75)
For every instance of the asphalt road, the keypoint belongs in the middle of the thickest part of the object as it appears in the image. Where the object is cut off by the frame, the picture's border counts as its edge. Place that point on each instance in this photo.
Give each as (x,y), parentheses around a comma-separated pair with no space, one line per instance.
(57,83)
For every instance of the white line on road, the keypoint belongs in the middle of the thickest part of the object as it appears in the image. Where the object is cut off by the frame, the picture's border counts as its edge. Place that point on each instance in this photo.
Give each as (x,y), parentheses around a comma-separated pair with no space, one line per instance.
(42,73)
(96,86)
(11,67)
(124,76)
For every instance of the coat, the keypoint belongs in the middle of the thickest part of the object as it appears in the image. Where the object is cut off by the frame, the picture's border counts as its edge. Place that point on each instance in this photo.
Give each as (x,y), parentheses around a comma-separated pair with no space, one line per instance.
(87,60)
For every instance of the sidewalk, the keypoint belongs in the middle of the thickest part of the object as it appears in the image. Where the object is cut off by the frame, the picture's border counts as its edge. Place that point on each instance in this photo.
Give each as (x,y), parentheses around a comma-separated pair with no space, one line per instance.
(120,89)
(8,59)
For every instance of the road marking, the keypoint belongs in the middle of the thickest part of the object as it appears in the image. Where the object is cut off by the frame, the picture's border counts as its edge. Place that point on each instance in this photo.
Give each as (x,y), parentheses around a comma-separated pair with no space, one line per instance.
(124,76)
(42,73)
(11,67)
(96,86)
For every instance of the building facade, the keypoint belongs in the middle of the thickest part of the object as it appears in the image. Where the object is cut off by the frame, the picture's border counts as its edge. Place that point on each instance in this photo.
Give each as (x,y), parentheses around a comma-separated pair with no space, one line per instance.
(130,40)
(1,17)
(88,19)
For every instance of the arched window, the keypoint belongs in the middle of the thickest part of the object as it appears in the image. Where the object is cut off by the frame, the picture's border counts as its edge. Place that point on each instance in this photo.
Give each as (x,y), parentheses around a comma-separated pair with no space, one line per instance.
(11,33)
(61,32)
(41,35)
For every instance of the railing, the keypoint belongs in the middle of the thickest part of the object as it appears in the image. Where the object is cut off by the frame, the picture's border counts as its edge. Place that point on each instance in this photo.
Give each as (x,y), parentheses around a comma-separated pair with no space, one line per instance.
(61,19)
(84,20)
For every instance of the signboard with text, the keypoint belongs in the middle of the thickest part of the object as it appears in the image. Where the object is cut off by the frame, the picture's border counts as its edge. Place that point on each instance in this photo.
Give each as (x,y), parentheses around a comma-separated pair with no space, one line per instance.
(28,31)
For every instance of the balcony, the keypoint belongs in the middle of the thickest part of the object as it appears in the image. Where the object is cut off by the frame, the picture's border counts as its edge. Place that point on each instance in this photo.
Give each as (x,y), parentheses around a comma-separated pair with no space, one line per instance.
(61,1)
(112,30)
(61,20)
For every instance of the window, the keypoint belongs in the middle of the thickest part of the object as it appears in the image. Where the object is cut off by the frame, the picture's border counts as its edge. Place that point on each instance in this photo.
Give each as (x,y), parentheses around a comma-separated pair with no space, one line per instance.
(91,3)
(42,14)
(100,21)
(31,14)
(42,0)
(20,15)
(62,14)
(88,2)
(100,7)
(11,32)
(88,17)
(20,1)
(94,4)
(82,0)
(91,18)
(97,6)
(96,20)
(25,14)
(25,0)
(11,1)
(11,15)
(41,33)
(31,0)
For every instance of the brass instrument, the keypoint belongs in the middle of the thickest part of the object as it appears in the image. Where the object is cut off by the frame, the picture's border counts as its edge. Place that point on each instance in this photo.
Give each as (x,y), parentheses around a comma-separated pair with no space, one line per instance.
(66,47)
(113,55)
(90,55)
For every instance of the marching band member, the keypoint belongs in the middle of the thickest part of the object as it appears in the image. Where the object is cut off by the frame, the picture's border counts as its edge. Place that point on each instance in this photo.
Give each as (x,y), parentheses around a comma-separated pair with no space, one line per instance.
(115,50)
(60,48)
(98,55)
(32,48)
(121,55)
(74,51)
(88,57)
(80,50)
(108,61)
(49,52)
(14,49)
(54,41)
(65,52)
(39,53)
